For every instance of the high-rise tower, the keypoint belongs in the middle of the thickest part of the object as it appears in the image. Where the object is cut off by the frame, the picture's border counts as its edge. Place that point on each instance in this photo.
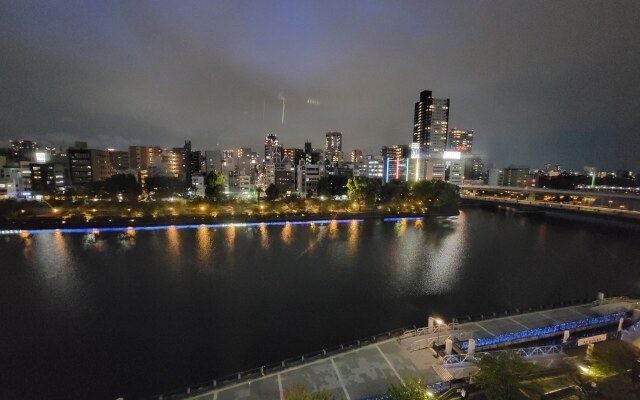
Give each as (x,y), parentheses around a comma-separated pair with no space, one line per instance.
(272,149)
(431,123)
(333,148)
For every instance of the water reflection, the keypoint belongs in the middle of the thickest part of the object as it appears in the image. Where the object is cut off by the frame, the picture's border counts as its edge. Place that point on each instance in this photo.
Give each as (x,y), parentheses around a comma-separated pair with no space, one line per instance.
(318,233)
(354,237)
(127,239)
(88,240)
(286,233)
(446,258)
(333,229)
(230,237)
(26,241)
(542,235)
(264,236)
(401,227)
(205,245)
(173,245)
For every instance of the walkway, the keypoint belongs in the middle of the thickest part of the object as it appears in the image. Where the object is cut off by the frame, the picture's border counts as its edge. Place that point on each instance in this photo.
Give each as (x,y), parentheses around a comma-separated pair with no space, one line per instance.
(368,371)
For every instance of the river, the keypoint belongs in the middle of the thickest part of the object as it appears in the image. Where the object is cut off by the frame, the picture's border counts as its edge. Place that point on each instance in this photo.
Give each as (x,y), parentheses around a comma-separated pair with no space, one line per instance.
(132,314)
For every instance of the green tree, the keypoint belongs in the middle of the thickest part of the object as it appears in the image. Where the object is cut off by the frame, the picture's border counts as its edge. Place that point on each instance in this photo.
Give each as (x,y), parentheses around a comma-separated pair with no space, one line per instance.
(125,184)
(500,374)
(437,195)
(361,189)
(300,393)
(272,192)
(165,186)
(395,191)
(214,186)
(411,389)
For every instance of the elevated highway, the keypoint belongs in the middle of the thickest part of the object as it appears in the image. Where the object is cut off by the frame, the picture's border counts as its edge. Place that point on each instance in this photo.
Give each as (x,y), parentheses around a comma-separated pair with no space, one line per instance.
(615,205)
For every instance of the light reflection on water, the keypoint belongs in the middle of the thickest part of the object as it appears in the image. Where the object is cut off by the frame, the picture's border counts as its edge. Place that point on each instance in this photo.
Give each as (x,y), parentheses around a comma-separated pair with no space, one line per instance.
(445,259)
(264,237)
(353,239)
(205,245)
(286,234)
(173,245)
(333,230)
(335,282)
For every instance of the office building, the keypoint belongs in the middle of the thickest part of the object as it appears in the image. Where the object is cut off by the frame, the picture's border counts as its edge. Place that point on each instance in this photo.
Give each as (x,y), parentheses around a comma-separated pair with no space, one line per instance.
(213,161)
(175,163)
(272,149)
(141,156)
(431,123)
(460,140)
(119,161)
(397,151)
(516,177)
(333,146)
(307,178)
(355,154)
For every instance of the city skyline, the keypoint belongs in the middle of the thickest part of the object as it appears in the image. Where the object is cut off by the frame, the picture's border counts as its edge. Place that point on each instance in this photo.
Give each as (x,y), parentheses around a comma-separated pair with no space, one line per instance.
(220,74)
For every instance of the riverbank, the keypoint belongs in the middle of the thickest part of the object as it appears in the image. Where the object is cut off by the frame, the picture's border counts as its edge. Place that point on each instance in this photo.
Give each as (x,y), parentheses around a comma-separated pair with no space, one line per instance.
(34,223)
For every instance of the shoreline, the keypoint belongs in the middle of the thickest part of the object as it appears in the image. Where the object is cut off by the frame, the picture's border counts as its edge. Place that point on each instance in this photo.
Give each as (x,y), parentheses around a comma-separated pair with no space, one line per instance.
(123,223)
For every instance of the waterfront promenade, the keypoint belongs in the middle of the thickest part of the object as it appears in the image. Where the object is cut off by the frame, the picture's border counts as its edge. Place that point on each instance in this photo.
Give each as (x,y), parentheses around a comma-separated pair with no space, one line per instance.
(368,370)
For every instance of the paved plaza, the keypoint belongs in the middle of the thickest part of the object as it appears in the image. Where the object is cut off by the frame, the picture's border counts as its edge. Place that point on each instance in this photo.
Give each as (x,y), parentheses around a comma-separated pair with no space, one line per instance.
(368,371)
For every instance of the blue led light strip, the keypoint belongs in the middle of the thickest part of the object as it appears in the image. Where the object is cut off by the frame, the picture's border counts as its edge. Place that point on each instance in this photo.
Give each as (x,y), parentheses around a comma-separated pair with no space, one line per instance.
(549,330)
(162,227)
(394,219)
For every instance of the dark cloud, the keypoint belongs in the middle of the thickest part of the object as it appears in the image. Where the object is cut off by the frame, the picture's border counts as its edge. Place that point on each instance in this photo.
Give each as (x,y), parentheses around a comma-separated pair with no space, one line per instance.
(538,81)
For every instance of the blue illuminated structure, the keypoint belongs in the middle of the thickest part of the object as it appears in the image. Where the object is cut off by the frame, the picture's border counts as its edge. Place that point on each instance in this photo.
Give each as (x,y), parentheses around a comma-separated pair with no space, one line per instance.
(193,226)
(546,331)
(395,219)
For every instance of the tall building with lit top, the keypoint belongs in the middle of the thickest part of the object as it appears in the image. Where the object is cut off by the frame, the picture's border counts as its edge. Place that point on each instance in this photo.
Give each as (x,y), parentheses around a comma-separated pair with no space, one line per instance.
(460,140)
(431,123)
(272,148)
(333,146)
(396,162)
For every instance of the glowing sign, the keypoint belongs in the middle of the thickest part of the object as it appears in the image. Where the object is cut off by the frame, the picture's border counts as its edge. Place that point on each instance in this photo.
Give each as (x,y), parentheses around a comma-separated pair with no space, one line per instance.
(451,155)
(592,339)
(415,150)
(41,157)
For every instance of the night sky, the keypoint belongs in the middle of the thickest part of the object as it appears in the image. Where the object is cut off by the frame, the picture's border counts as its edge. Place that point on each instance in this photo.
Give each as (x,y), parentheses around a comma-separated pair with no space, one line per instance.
(554,81)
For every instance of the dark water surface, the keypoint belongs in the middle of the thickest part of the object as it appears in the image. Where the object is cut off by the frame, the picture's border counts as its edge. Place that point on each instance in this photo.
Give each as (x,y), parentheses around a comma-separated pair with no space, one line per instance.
(86,316)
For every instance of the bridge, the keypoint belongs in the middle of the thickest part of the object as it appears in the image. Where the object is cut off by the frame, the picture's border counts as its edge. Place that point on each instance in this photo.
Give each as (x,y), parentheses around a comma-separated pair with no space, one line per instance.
(527,199)
(437,353)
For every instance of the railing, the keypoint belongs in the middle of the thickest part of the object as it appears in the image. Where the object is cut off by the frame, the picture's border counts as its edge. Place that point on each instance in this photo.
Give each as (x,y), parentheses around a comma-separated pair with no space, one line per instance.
(457,360)
(428,330)
(537,333)
(612,300)
(255,373)
(428,342)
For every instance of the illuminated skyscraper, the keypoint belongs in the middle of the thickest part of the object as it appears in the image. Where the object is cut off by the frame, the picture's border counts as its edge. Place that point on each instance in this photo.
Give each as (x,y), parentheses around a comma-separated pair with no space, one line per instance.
(272,149)
(431,123)
(460,140)
(333,148)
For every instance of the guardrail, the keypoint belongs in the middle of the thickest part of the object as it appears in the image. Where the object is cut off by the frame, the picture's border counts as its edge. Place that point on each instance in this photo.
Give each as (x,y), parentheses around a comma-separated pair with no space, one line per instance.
(428,330)
(255,373)
(551,205)
(457,360)
(613,300)
(258,372)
